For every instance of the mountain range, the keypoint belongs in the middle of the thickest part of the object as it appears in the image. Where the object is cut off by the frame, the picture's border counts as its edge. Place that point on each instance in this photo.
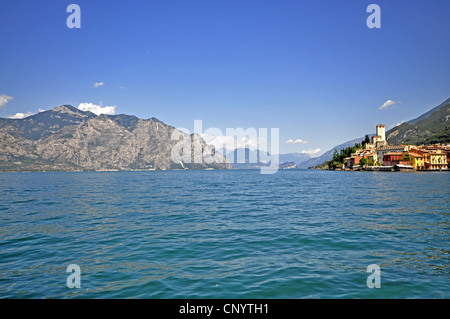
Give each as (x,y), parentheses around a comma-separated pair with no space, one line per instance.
(66,138)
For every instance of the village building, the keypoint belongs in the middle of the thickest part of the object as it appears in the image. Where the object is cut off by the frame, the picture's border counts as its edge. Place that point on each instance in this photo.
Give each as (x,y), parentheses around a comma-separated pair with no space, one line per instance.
(416,157)
(381,151)
(396,158)
(438,160)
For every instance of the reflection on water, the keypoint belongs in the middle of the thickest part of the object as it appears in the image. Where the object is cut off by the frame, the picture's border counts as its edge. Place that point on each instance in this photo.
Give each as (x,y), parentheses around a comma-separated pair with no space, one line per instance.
(224,234)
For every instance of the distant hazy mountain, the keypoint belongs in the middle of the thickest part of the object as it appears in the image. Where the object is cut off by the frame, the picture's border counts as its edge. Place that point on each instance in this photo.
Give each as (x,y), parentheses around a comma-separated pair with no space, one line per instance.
(66,138)
(297,158)
(288,165)
(244,158)
(431,127)
(328,155)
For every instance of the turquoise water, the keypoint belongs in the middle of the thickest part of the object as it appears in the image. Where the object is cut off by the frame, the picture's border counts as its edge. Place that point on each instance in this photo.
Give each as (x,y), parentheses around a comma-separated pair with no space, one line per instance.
(224,234)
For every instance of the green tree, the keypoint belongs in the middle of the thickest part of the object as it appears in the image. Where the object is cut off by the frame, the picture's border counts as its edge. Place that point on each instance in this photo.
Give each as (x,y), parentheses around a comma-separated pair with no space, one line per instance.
(336,165)
(365,141)
(363,161)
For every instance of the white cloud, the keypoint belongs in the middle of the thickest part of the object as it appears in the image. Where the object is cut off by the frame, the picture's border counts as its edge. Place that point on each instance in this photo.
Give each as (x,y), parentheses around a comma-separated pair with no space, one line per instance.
(297,141)
(399,123)
(387,104)
(311,152)
(97,84)
(4,99)
(20,115)
(97,109)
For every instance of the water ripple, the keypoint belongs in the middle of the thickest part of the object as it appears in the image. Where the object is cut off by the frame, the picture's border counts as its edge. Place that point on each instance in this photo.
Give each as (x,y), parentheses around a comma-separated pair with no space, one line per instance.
(224,234)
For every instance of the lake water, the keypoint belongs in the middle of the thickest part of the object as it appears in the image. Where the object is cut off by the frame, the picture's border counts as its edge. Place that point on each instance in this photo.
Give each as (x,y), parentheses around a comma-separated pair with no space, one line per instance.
(225,234)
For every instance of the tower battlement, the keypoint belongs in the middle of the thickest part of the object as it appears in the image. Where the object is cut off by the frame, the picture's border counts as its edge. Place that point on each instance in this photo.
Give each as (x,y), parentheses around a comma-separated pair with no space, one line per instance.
(381,131)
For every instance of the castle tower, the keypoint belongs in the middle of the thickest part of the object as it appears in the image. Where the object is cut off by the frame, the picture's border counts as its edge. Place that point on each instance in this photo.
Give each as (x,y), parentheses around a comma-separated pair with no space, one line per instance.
(381,132)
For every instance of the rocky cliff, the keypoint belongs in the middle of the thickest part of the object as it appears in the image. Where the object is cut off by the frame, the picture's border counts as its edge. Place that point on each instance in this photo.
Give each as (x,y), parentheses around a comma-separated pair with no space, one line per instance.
(65,138)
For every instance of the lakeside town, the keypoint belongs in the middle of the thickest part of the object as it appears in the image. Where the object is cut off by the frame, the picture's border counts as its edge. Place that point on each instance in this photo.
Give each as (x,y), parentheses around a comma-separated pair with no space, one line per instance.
(375,154)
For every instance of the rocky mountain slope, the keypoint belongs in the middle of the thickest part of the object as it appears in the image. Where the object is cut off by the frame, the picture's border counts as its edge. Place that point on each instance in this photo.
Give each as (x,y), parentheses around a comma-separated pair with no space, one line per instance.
(431,127)
(65,138)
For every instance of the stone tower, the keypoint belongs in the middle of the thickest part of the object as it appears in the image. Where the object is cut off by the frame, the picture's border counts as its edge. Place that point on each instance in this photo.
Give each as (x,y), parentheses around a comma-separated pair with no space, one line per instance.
(381,132)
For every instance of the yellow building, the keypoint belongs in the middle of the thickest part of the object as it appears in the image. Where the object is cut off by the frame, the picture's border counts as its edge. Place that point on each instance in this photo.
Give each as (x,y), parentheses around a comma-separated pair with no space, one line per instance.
(438,160)
(417,160)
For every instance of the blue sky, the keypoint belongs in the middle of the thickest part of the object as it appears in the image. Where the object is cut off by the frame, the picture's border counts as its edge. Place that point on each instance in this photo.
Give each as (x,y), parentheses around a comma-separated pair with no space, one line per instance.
(311,68)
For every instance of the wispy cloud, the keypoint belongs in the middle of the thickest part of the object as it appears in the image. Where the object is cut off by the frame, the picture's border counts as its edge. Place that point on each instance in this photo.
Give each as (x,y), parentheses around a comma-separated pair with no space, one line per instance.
(98,84)
(311,152)
(20,115)
(399,123)
(4,99)
(387,105)
(297,141)
(97,109)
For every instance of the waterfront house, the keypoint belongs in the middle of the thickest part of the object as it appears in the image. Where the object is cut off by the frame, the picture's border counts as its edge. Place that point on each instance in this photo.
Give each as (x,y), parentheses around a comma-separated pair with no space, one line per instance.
(352,161)
(417,159)
(381,151)
(396,158)
(438,160)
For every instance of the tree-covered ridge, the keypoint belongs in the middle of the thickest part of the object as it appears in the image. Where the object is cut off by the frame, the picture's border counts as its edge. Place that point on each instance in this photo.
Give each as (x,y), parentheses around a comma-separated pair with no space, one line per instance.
(434,128)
